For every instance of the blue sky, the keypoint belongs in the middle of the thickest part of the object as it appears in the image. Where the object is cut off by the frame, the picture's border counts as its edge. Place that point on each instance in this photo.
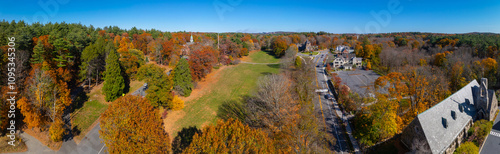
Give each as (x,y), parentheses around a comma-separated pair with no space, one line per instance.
(336,16)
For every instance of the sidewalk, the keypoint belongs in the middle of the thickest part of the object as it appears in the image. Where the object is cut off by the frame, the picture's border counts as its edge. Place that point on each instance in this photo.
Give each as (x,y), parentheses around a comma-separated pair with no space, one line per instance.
(348,127)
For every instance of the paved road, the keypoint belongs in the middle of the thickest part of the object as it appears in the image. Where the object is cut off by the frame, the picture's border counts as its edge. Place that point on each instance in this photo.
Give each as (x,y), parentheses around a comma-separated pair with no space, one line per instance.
(492,142)
(90,144)
(324,106)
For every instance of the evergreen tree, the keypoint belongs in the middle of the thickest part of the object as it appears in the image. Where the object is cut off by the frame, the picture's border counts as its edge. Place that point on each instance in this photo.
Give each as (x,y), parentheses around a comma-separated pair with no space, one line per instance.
(159,91)
(182,78)
(62,46)
(38,52)
(113,80)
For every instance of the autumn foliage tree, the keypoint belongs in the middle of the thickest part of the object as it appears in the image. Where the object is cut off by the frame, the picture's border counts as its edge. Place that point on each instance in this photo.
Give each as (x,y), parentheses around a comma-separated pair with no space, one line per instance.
(279,46)
(44,102)
(467,148)
(201,62)
(230,136)
(132,125)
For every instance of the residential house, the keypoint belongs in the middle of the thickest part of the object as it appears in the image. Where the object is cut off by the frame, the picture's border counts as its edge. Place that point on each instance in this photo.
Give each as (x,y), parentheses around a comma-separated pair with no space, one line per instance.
(344,59)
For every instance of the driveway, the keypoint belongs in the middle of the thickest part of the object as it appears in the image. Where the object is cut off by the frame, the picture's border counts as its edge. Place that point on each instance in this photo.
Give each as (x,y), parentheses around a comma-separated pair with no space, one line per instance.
(91,143)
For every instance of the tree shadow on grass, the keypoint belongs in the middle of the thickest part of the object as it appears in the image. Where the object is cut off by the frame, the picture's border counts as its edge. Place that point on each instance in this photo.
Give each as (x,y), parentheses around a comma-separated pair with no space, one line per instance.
(79,98)
(271,53)
(232,109)
(266,73)
(184,138)
(274,66)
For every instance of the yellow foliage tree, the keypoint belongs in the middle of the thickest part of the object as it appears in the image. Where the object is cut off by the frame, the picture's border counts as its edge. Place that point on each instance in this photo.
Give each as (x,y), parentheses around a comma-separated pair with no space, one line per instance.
(368,65)
(56,130)
(230,136)
(439,59)
(132,125)
(177,103)
(489,64)
(45,101)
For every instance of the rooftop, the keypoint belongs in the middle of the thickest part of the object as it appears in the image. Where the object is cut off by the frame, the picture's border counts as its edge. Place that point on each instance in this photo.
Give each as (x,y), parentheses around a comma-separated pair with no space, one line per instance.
(443,122)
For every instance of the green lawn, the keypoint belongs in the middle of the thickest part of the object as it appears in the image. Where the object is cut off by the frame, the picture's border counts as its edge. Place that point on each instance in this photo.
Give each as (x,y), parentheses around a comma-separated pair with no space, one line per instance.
(262,57)
(237,81)
(84,117)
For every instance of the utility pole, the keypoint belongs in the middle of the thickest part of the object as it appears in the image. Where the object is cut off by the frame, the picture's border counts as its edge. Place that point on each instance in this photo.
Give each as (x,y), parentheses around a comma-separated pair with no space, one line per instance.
(217,41)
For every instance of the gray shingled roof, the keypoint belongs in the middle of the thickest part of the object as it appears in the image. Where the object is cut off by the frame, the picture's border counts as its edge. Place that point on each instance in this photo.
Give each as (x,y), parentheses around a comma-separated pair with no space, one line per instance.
(439,137)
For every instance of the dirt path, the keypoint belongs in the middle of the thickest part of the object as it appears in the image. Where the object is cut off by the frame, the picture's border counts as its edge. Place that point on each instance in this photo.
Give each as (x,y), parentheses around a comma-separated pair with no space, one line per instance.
(203,88)
(244,62)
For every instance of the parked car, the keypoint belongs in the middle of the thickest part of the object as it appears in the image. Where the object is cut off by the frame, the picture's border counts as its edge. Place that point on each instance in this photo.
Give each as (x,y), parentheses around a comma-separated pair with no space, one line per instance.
(328,96)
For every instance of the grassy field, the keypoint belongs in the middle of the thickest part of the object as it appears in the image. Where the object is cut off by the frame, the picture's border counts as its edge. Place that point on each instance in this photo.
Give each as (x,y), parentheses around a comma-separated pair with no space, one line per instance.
(262,57)
(84,117)
(237,81)
(313,53)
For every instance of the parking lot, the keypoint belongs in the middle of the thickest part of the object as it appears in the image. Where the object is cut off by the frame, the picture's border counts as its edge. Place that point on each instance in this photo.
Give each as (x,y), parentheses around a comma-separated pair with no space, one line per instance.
(360,81)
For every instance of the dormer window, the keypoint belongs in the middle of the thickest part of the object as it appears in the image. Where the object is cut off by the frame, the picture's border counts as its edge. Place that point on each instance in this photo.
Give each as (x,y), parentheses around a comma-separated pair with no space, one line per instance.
(454,115)
(444,122)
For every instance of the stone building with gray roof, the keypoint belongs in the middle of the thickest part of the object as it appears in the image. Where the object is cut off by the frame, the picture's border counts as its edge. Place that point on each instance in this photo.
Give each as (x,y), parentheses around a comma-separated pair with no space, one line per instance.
(443,127)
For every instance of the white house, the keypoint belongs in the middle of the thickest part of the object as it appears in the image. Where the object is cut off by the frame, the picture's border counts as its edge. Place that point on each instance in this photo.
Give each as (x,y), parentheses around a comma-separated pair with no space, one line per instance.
(357,61)
(347,66)
(339,61)
(344,59)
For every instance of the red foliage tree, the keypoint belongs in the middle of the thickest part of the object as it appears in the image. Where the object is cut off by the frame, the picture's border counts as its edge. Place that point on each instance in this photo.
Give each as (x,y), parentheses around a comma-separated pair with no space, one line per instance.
(201,62)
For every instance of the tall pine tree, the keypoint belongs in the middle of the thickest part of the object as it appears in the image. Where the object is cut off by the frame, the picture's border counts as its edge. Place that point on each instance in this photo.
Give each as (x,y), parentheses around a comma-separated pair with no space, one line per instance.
(38,53)
(182,78)
(113,80)
(62,51)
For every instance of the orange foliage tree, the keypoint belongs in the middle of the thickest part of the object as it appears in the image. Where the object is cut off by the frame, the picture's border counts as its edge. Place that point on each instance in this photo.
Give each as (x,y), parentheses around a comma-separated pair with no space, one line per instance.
(201,62)
(141,42)
(279,46)
(231,136)
(45,100)
(132,125)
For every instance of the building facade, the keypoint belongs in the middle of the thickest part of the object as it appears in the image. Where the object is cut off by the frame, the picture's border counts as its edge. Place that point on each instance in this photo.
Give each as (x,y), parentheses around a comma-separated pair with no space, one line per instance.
(443,127)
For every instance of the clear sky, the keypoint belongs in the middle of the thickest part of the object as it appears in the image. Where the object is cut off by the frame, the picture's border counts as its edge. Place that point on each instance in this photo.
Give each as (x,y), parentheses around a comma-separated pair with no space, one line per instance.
(336,16)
